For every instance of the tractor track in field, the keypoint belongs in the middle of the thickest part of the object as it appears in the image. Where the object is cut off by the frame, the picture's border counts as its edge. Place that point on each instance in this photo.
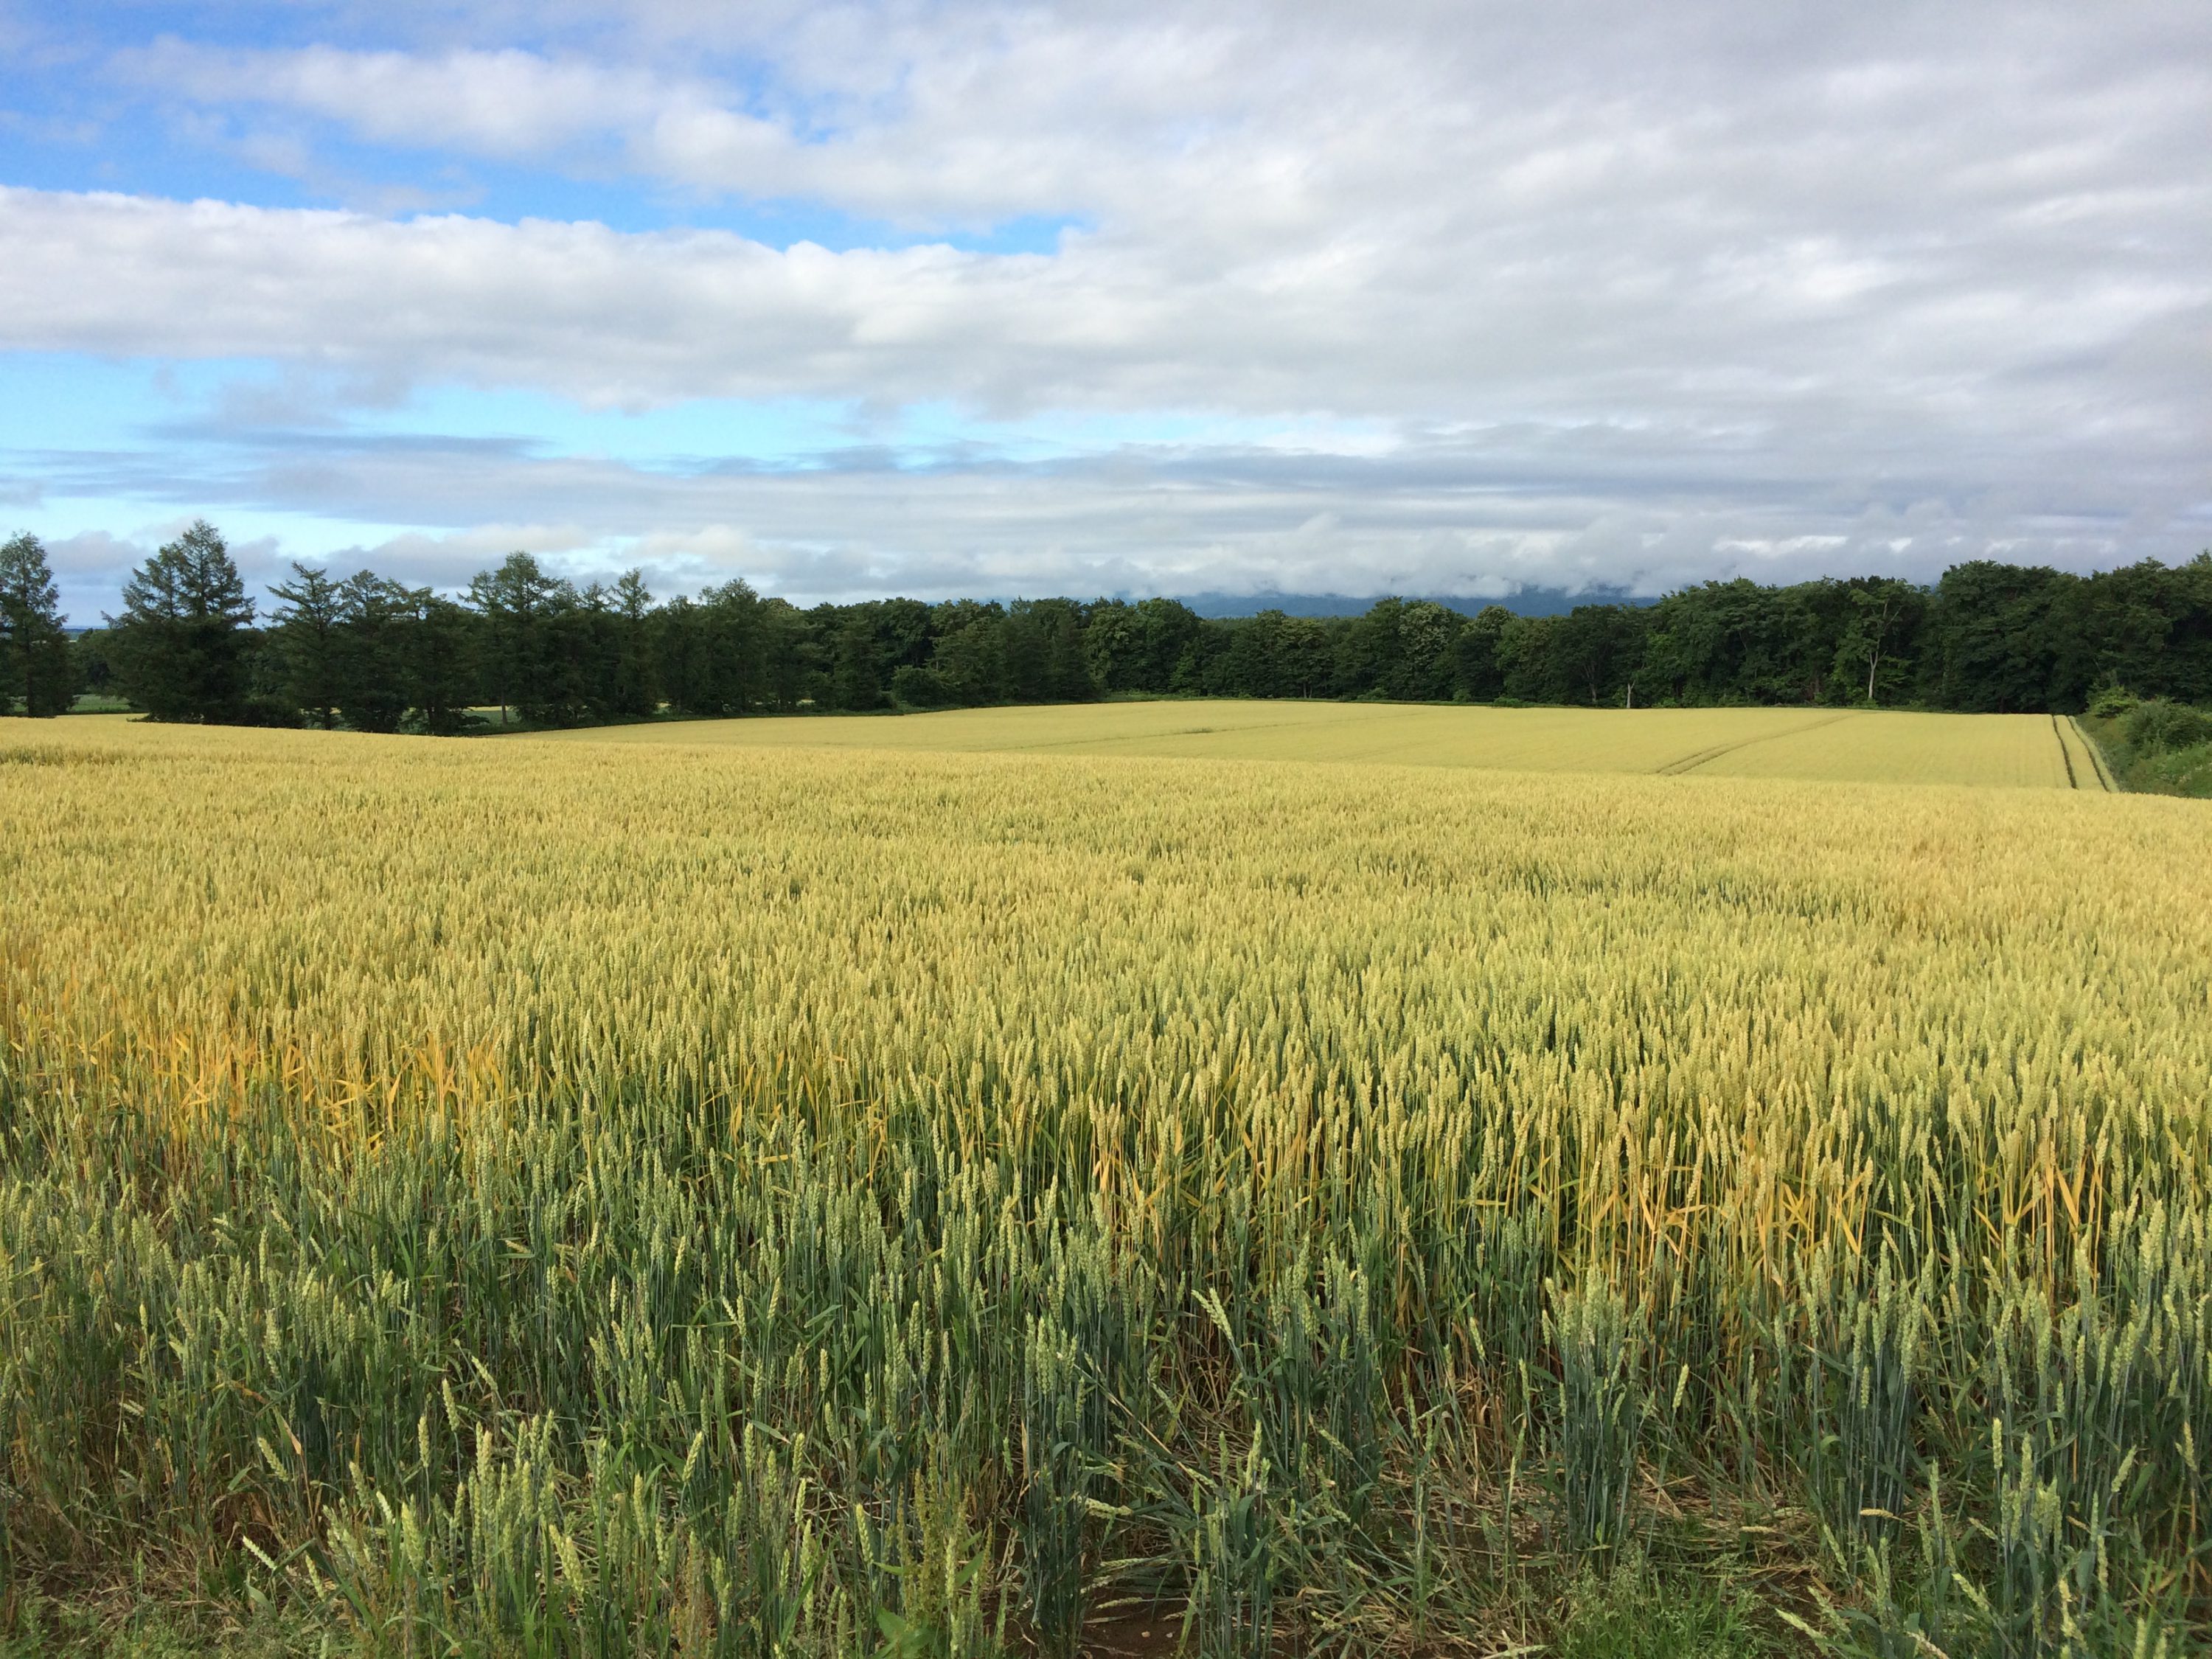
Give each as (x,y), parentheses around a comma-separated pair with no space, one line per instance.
(2065,755)
(1075,744)
(1676,768)
(2100,780)
(2105,781)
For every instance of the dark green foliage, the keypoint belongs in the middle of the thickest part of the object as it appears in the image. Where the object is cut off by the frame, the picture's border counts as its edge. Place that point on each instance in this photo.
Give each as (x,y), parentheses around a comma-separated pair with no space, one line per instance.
(1880,621)
(1596,648)
(92,665)
(373,682)
(971,658)
(1407,650)
(1530,666)
(380,657)
(366,651)
(1152,645)
(1478,674)
(634,688)
(921,688)
(710,654)
(2000,647)
(2159,727)
(2010,638)
(856,660)
(180,646)
(38,676)
(441,664)
(2154,744)
(1277,656)
(1633,1615)
(1739,642)
(305,630)
(522,610)
(1043,652)
(790,657)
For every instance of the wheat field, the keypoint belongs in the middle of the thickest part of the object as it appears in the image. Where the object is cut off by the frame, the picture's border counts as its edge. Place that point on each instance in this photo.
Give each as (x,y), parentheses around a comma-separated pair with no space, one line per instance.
(1840,745)
(571,1195)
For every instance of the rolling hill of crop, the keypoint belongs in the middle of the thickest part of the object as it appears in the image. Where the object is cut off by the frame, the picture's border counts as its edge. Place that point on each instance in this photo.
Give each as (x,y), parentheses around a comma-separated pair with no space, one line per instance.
(583,1195)
(1843,745)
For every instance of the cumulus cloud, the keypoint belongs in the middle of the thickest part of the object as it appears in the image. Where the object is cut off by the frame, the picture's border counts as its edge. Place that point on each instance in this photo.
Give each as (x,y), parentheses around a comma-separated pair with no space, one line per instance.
(1613,293)
(1724,341)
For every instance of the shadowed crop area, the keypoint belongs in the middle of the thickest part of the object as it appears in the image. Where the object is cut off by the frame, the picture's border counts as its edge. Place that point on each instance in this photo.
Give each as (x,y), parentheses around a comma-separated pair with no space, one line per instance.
(1841,745)
(541,1196)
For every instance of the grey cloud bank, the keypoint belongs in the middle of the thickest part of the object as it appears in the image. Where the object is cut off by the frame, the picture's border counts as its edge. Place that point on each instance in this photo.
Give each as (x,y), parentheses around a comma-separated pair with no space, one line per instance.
(1632,296)
(1480,514)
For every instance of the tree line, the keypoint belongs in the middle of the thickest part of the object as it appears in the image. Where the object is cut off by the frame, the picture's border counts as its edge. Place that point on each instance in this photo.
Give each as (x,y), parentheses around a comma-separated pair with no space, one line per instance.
(376,655)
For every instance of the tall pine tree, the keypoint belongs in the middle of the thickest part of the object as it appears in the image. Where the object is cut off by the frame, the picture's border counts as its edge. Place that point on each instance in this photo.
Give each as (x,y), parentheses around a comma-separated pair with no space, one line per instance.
(34,661)
(520,603)
(309,641)
(179,645)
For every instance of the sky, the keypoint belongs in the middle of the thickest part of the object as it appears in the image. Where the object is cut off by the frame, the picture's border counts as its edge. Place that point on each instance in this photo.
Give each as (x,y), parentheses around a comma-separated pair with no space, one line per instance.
(853,300)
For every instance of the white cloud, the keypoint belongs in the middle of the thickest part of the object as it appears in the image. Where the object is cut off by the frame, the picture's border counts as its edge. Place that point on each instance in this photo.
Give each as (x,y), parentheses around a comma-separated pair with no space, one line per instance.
(607,318)
(1475,512)
(503,103)
(1595,288)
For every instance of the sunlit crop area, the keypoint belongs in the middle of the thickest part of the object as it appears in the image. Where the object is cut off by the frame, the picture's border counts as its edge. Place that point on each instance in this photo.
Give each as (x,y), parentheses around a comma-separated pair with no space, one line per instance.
(535,1195)
(1844,745)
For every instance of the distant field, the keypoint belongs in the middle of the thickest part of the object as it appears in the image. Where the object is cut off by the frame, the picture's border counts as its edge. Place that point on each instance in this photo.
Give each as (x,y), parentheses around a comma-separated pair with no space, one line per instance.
(2030,752)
